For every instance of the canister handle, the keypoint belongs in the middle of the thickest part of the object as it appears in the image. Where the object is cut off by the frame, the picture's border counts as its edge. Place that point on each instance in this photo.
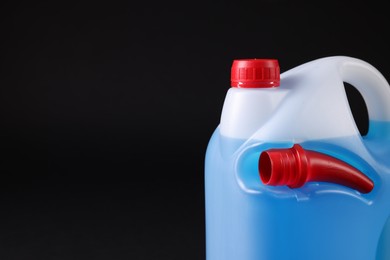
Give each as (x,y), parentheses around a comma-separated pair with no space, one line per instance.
(373,87)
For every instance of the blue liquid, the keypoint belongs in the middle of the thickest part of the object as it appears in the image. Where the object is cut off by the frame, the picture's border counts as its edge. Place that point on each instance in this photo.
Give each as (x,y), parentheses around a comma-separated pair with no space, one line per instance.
(246,220)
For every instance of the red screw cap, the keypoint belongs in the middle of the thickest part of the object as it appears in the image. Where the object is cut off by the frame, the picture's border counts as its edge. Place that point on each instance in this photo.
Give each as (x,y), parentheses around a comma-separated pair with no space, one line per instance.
(255,73)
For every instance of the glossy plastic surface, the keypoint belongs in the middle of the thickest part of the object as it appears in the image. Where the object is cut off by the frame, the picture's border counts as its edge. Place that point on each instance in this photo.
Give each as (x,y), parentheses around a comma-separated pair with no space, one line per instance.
(248,220)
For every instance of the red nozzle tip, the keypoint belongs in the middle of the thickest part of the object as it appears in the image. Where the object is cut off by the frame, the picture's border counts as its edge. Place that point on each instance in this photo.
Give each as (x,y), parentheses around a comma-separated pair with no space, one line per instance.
(295,166)
(255,73)
(283,167)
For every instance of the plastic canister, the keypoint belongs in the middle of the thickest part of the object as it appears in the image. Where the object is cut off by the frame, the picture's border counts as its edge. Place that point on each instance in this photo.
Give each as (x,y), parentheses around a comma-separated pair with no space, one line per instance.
(287,173)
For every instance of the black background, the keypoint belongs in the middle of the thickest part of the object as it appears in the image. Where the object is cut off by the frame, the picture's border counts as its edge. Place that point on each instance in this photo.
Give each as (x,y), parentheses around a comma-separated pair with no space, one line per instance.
(107,108)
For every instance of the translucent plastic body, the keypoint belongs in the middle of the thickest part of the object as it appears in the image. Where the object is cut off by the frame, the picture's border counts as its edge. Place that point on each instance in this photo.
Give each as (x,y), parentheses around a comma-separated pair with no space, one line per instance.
(247,220)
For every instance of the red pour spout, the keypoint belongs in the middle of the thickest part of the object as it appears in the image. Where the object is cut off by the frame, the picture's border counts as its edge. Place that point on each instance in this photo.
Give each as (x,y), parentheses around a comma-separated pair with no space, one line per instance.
(295,166)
